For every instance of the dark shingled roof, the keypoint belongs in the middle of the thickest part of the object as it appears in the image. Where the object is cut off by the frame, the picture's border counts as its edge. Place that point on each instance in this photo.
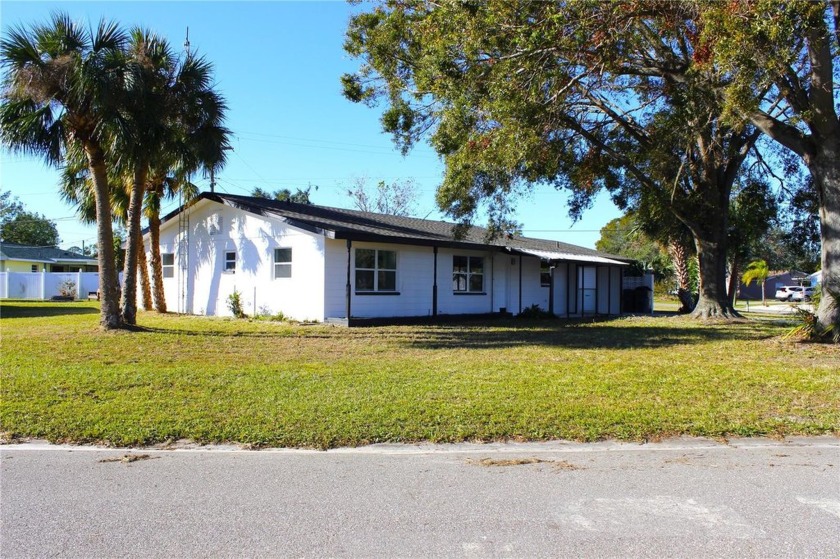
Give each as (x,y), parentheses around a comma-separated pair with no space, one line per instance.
(12,251)
(340,223)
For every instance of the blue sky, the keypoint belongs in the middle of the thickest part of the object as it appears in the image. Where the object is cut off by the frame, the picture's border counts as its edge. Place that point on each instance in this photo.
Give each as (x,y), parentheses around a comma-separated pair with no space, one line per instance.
(278,65)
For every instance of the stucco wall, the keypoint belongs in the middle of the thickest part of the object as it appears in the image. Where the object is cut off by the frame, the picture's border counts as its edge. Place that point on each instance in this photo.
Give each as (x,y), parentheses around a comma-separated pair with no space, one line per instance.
(215,229)
(316,290)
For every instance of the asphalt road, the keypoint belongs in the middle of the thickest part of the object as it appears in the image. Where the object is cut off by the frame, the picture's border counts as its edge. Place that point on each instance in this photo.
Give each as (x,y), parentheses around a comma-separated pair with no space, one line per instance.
(681,498)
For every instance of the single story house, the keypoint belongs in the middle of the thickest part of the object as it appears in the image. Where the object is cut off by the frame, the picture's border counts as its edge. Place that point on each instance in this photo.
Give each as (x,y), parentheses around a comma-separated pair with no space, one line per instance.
(330,264)
(23,258)
(774,281)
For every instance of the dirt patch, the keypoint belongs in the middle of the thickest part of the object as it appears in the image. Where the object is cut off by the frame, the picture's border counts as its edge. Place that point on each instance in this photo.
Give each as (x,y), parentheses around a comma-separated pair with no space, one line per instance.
(496,463)
(129,458)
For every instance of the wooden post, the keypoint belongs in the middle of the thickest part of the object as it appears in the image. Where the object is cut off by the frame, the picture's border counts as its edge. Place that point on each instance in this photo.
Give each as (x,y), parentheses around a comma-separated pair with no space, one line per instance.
(347,287)
(434,284)
(550,289)
(568,288)
(520,284)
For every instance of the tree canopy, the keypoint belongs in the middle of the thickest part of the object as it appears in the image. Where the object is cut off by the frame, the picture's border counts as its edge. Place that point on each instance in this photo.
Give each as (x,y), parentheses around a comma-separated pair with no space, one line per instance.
(17,225)
(581,95)
(397,197)
(299,196)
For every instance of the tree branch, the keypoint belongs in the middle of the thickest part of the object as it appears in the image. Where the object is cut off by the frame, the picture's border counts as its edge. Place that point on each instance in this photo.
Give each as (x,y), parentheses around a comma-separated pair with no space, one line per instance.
(822,84)
(785,134)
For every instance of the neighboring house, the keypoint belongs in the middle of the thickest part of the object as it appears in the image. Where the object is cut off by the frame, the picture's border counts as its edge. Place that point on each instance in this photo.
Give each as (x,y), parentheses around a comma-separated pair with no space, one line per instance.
(773,282)
(815,279)
(319,263)
(22,258)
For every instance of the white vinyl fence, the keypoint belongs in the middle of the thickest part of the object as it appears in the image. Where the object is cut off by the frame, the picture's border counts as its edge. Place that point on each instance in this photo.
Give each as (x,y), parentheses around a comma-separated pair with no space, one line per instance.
(45,285)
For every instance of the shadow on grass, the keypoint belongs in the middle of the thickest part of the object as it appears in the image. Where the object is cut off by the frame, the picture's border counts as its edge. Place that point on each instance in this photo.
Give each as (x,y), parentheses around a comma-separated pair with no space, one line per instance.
(598,335)
(509,333)
(32,310)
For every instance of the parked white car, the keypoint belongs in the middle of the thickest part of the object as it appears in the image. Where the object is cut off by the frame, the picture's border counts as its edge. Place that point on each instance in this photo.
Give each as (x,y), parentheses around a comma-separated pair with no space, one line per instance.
(804,295)
(793,293)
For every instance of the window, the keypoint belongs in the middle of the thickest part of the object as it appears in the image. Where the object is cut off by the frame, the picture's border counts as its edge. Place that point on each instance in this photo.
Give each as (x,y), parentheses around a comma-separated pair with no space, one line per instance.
(376,270)
(467,274)
(167,262)
(230,261)
(34,267)
(282,263)
(545,274)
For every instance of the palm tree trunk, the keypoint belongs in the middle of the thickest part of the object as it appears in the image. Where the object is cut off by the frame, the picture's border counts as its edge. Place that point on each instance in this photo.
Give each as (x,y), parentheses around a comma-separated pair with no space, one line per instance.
(109,317)
(734,278)
(679,257)
(157,269)
(143,267)
(135,208)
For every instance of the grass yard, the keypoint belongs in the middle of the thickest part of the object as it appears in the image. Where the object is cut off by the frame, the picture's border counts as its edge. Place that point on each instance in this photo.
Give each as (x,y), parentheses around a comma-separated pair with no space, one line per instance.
(272,384)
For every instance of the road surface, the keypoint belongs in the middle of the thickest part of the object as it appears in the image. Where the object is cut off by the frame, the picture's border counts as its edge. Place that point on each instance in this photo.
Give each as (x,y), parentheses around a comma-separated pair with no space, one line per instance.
(679,498)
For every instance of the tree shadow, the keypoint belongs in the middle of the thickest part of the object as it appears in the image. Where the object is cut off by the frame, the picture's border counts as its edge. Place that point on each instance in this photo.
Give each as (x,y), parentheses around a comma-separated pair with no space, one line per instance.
(582,335)
(12,310)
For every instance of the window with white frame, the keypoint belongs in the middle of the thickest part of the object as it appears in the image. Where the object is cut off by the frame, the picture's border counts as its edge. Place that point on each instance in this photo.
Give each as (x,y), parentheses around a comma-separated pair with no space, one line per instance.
(167,264)
(376,270)
(282,263)
(230,261)
(467,274)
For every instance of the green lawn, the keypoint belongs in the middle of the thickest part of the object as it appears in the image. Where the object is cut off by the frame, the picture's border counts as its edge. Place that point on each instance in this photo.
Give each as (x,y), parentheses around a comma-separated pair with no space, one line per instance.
(273,384)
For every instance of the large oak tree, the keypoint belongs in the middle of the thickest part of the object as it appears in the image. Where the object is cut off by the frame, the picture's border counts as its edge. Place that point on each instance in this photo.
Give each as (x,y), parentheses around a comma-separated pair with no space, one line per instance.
(582,95)
(780,61)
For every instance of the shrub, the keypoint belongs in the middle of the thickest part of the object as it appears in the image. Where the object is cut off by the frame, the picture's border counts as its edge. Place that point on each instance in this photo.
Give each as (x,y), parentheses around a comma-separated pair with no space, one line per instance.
(534,311)
(808,329)
(234,304)
(67,288)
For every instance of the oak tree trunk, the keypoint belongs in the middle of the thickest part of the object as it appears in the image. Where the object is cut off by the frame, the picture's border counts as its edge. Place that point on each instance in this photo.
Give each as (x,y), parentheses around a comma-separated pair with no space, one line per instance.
(711,258)
(109,314)
(825,170)
(143,269)
(135,207)
(709,230)
(157,269)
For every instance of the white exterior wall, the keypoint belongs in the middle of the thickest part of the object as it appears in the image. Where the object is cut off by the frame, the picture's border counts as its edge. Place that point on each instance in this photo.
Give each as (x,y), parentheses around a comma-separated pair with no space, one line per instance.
(415,268)
(215,229)
(316,290)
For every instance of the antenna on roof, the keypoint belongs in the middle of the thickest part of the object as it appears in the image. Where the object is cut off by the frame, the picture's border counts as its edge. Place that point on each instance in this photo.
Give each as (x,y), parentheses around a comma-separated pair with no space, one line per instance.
(187,41)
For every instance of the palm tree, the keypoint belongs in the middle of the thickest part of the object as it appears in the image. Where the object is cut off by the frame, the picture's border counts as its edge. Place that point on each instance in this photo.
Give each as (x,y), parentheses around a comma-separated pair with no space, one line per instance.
(197,141)
(170,126)
(62,87)
(77,189)
(757,271)
(162,185)
(146,126)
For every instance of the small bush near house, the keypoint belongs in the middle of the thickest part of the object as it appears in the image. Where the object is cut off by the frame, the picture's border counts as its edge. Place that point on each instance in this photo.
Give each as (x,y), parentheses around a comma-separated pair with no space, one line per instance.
(67,288)
(234,304)
(534,311)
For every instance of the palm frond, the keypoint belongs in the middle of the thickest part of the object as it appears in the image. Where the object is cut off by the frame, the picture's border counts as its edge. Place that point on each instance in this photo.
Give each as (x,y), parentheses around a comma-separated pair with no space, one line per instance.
(31,128)
(19,49)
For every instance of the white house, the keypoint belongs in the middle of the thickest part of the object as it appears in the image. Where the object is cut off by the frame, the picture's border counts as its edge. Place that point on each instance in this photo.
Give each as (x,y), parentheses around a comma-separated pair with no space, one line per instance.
(318,263)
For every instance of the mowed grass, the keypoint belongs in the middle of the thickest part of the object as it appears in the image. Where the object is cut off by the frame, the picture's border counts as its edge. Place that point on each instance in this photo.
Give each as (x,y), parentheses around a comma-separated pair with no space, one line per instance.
(280,385)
